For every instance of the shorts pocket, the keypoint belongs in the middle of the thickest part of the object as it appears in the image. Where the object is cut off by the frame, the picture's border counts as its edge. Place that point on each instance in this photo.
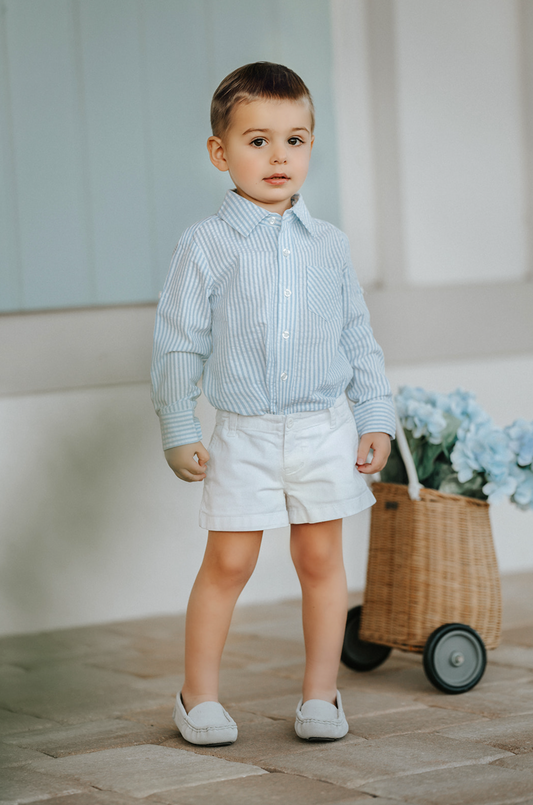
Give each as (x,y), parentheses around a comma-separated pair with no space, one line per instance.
(324,291)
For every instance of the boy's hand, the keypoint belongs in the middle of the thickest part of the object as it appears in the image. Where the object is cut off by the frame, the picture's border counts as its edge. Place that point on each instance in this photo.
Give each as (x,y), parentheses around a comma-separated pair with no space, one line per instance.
(380,444)
(181,461)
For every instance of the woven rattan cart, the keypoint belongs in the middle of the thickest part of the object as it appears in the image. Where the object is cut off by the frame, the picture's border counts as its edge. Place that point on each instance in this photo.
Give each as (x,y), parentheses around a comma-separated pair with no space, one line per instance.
(432,583)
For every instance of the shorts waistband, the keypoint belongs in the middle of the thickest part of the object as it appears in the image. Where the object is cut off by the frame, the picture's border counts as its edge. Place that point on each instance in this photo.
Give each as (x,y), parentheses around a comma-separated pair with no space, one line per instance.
(277,422)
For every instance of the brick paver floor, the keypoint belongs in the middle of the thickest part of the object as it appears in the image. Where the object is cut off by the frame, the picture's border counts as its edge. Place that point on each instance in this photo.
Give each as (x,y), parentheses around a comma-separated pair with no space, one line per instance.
(86,718)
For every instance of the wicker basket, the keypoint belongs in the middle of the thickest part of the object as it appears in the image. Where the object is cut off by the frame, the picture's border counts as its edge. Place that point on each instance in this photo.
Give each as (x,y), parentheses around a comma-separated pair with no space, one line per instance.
(431,562)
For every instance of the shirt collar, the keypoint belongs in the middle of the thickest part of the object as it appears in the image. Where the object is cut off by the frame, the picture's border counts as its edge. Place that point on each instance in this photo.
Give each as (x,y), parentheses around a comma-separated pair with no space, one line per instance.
(300,210)
(244,215)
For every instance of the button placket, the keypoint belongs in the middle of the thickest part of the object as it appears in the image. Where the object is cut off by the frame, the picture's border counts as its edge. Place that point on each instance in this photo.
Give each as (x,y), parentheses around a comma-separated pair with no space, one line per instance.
(284,278)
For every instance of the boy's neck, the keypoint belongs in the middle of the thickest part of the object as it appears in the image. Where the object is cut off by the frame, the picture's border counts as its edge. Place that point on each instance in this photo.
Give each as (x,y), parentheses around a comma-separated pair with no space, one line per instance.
(279,207)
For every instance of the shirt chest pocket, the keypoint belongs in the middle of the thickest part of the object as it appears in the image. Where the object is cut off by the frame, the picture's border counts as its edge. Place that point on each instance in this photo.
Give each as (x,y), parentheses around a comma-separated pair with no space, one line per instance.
(324,291)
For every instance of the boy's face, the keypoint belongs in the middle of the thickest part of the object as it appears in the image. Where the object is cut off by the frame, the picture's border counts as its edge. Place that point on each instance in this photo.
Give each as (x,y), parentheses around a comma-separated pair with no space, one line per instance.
(266,150)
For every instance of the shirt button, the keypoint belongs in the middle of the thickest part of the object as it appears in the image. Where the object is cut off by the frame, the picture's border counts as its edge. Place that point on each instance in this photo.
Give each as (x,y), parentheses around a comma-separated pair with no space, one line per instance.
(284,376)
(285,334)
(286,252)
(287,292)
(271,220)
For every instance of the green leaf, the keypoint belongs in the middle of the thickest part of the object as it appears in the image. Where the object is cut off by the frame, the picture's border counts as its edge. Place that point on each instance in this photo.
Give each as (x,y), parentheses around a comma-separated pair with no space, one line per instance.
(425,454)
(449,434)
(442,469)
(470,489)
(425,458)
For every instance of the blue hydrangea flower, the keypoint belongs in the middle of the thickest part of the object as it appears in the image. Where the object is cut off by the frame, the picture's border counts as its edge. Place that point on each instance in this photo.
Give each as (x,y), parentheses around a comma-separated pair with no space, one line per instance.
(485,449)
(462,405)
(523,496)
(464,461)
(418,415)
(497,491)
(422,411)
(500,457)
(520,435)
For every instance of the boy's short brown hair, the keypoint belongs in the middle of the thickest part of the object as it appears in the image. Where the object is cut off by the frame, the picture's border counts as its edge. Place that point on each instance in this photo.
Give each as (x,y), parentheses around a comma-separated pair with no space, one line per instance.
(260,79)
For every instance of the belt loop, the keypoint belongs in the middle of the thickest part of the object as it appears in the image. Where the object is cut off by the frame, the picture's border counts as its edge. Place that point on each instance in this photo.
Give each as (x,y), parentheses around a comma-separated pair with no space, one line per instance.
(332,417)
(232,423)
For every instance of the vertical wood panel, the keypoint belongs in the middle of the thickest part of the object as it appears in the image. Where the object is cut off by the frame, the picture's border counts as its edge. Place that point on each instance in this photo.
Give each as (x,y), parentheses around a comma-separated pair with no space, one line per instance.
(243,31)
(43,93)
(117,158)
(178,96)
(525,37)
(10,264)
(355,135)
(462,157)
(385,116)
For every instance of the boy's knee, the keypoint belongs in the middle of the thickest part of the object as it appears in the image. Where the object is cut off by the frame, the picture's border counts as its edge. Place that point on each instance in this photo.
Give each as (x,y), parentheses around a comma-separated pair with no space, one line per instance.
(314,563)
(232,568)
(315,557)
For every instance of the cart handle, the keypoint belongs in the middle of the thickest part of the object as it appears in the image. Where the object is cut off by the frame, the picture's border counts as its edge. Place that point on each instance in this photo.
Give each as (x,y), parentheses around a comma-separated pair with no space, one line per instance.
(414,485)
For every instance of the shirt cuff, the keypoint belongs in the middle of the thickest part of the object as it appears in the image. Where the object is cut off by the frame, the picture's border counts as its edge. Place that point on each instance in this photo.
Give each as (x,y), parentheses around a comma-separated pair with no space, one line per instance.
(375,416)
(179,427)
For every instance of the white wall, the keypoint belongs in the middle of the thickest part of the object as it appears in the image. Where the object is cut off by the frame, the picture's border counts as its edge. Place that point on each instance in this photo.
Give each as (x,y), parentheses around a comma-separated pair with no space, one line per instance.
(461,141)
(97,528)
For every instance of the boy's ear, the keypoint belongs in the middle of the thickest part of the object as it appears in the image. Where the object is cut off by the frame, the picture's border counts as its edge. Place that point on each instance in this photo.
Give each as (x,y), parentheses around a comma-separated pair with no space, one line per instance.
(312,141)
(215,148)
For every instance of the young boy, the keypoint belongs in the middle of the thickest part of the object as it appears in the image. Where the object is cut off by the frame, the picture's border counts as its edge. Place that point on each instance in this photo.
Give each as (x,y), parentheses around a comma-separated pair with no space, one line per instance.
(262,299)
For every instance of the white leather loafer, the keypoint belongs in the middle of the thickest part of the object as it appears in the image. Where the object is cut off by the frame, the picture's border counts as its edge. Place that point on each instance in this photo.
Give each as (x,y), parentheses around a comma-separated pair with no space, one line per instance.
(317,720)
(207,724)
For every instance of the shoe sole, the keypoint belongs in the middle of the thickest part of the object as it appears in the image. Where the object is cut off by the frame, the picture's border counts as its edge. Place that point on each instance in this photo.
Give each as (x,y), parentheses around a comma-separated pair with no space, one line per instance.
(224,743)
(193,743)
(220,743)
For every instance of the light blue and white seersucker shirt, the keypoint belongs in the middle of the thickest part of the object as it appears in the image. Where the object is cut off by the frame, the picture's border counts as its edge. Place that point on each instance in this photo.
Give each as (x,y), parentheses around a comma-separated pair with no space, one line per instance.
(269,308)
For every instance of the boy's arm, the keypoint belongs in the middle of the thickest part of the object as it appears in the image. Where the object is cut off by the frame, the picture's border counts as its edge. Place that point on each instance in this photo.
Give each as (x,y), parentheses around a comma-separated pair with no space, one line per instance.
(369,389)
(182,344)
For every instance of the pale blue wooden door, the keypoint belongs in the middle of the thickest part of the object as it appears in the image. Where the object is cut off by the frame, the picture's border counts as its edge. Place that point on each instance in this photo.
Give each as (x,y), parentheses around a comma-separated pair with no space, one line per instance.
(104,116)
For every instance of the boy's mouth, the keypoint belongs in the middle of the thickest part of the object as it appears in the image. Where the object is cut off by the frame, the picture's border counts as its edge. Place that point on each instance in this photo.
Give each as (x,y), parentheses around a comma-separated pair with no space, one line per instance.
(277,178)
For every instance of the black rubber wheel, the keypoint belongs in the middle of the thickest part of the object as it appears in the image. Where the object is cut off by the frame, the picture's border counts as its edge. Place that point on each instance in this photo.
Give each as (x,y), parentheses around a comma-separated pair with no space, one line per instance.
(454,658)
(358,654)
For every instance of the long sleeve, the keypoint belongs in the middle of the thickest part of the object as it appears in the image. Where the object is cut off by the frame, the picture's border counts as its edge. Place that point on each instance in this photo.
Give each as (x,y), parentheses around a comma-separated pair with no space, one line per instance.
(182,343)
(369,390)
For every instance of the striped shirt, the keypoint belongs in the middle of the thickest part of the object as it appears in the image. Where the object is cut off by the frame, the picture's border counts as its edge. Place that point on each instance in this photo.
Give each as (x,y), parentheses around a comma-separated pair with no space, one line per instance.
(268,309)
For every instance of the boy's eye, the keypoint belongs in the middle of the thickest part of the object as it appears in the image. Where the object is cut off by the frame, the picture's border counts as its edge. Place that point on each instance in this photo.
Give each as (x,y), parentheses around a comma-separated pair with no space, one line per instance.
(258,142)
(294,140)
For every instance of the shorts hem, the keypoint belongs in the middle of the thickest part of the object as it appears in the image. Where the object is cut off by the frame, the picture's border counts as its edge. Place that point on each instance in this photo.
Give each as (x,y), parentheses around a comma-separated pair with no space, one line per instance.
(332,511)
(244,522)
(263,522)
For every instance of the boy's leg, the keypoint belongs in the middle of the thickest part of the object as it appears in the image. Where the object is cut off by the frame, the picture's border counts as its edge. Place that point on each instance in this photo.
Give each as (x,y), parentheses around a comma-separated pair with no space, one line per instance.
(316,550)
(229,560)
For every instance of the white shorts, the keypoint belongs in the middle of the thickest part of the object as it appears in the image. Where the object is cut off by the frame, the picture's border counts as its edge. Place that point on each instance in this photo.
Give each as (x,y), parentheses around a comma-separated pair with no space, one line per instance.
(271,470)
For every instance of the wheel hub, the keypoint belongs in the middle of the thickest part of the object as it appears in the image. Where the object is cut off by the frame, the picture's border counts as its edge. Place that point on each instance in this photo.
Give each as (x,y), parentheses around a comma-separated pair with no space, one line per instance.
(457,658)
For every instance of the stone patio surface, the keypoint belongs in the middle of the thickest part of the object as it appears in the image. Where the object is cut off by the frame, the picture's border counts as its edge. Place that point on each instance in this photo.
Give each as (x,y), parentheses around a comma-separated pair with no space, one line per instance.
(86,719)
